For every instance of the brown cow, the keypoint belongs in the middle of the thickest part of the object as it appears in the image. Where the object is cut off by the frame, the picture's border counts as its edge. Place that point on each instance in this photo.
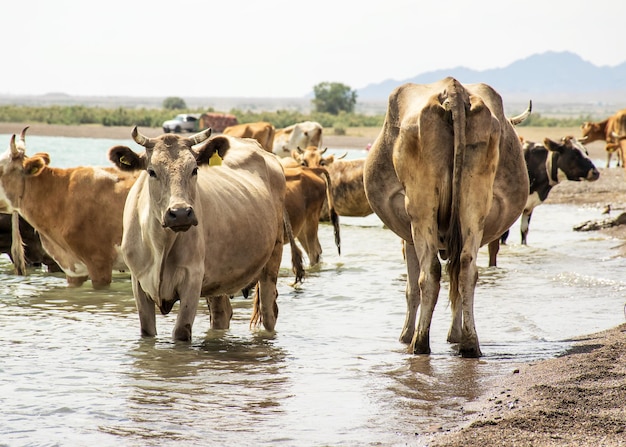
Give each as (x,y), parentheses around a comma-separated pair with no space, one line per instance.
(611,130)
(63,205)
(346,181)
(307,190)
(195,225)
(447,175)
(262,131)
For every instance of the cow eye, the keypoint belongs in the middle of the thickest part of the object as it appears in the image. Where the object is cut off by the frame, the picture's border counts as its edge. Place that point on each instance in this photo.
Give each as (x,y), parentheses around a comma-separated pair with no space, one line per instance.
(195,171)
(151,173)
(323,163)
(304,163)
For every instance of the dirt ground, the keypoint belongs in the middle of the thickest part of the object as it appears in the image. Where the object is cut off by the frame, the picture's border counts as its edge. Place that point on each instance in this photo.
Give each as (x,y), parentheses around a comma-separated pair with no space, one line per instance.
(578,399)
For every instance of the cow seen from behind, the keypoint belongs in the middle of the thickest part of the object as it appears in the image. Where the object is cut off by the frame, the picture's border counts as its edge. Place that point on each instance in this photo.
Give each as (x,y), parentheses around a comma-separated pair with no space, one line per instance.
(447,175)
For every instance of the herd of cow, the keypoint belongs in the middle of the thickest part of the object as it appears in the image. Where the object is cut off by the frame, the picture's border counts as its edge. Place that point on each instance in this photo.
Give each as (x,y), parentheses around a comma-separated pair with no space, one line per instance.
(208,215)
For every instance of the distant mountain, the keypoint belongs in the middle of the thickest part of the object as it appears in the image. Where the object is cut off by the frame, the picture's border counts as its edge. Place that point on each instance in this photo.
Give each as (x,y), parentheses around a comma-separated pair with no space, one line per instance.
(549,76)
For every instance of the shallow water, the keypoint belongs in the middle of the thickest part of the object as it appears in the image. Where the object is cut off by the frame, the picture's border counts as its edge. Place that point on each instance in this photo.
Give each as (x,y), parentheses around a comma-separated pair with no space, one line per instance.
(75,371)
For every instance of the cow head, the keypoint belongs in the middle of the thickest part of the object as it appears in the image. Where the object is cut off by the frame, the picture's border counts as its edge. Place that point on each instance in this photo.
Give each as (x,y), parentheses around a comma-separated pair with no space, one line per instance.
(572,161)
(15,167)
(313,157)
(171,164)
(593,131)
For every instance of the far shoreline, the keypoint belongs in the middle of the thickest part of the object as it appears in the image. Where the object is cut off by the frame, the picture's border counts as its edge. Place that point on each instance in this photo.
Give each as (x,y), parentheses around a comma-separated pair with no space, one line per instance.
(359,140)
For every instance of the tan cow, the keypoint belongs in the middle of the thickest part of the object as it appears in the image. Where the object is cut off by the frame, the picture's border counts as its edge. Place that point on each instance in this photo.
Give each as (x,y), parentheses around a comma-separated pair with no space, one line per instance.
(611,130)
(262,131)
(76,211)
(447,175)
(307,190)
(196,226)
(304,134)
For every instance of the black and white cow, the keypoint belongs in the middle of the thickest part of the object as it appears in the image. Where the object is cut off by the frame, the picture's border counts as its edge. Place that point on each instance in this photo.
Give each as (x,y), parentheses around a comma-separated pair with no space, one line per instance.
(548,165)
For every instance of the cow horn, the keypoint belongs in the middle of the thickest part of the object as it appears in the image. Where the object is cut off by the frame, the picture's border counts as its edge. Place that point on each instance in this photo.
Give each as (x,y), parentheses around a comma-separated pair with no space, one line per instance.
(323,150)
(200,136)
(22,142)
(14,150)
(300,151)
(521,117)
(342,155)
(583,139)
(141,139)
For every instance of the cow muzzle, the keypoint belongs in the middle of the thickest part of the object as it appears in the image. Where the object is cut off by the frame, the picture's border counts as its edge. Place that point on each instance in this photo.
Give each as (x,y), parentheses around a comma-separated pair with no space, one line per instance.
(593,175)
(180,219)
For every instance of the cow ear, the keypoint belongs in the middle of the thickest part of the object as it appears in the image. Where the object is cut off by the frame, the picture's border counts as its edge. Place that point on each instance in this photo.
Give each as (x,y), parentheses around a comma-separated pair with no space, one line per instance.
(217,145)
(34,165)
(552,145)
(44,157)
(125,159)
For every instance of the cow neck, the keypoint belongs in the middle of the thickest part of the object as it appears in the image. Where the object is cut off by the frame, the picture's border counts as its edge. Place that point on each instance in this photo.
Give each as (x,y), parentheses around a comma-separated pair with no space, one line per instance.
(552,168)
(46,184)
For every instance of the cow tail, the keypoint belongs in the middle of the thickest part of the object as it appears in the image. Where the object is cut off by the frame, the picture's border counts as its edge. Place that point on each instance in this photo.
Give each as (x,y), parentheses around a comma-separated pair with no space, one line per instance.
(255,319)
(334,217)
(454,243)
(296,253)
(17,245)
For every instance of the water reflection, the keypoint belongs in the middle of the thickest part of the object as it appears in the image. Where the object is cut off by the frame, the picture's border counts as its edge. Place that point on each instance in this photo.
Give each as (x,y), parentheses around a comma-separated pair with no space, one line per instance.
(178,391)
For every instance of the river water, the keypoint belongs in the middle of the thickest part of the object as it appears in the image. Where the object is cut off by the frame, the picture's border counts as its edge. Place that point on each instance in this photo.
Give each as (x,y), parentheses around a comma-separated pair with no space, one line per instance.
(75,371)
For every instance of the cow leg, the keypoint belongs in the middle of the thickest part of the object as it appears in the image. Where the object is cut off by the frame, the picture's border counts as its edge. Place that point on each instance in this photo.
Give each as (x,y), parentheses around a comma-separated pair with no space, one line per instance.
(267,291)
(429,284)
(186,313)
(468,276)
(146,310)
(412,293)
(76,281)
(310,241)
(101,276)
(494,248)
(221,311)
(524,224)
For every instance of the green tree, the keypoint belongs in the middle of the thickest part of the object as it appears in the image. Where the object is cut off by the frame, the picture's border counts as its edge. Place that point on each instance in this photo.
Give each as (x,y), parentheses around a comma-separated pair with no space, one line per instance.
(174,103)
(333,97)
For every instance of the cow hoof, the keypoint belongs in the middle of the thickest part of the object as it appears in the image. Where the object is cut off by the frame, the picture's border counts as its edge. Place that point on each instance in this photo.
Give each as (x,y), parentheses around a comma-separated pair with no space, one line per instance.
(470,352)
(421,348)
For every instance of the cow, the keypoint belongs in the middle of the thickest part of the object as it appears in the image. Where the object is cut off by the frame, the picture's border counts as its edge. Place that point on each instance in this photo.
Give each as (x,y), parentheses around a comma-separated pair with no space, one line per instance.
(613,131)
(304,134)
(547,166)
(204,221)
(261,131)
(77,212)
(34,254)
(307,190)
(447,175)
(346,181)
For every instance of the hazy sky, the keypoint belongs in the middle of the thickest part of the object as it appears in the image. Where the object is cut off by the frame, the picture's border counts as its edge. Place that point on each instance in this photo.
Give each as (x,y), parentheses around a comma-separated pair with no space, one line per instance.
(282,48)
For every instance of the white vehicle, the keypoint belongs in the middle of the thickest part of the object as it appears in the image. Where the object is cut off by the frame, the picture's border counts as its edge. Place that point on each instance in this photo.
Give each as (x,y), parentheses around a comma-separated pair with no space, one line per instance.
(182,123)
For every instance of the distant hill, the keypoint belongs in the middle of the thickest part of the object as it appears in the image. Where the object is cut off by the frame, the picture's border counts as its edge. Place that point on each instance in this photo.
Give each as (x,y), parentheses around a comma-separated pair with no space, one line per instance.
(549,77)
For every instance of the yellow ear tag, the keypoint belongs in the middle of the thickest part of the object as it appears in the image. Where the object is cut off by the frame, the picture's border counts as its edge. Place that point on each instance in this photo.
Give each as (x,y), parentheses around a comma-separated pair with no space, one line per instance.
(124,160)
(215,160)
